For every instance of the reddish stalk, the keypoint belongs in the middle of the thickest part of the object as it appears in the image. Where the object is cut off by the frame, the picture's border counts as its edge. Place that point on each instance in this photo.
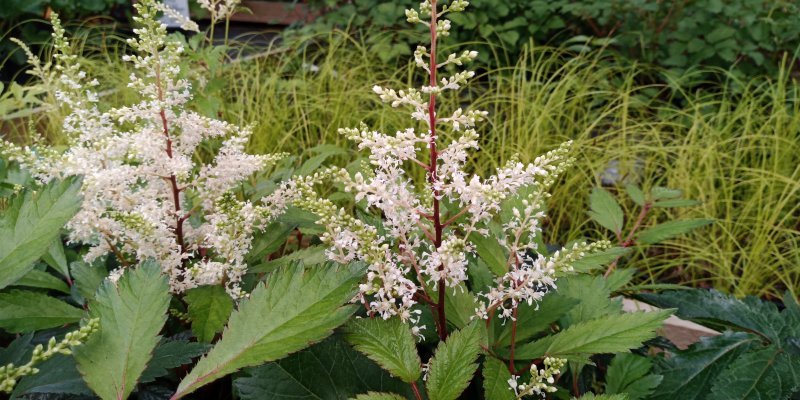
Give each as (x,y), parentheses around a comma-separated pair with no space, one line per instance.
(416,390)
(437,222)
(629,239)
(172,179)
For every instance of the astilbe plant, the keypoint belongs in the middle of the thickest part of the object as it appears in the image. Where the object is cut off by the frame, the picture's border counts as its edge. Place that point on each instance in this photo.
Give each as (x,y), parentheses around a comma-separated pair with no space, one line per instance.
(146,195)
(426,234)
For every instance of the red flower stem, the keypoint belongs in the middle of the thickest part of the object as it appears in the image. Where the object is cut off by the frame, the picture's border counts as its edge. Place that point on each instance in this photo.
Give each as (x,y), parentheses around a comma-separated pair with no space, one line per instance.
(416,390)
(172,179)
(437,222)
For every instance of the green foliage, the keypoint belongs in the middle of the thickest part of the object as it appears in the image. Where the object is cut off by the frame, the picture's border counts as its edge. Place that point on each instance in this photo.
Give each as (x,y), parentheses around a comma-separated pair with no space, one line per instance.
(606,334)
(171,354)
(31,223)
(759,362)
(495,380)
(24,311)
(751,37)
(388,343)
(42,280)
(453,364)
(328,370)
(131,314)
(292,309)
(209,308)
(605,210)
(630,374)
(669,230)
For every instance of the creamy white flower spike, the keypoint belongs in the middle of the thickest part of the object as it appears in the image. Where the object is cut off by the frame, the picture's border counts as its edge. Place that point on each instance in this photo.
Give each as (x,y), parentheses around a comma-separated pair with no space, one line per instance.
(145,194)
(421,244)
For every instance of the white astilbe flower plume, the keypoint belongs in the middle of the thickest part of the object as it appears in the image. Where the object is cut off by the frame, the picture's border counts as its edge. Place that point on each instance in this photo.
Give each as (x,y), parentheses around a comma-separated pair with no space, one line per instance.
(145,194)
(422,241)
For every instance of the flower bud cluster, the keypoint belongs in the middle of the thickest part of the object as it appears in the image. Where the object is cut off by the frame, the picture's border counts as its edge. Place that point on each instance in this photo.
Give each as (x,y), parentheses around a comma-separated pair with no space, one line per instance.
(542,380)
(10,374)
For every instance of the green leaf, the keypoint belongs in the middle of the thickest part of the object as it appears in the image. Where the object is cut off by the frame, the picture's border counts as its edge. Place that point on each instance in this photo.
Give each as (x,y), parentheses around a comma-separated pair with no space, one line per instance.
(704,306)
(379,396)
(31,223)
(209,308)
(635,194)
(292,309)
(670,229)
(662,193)
(42,280)
(599,259)
(88,277)
(605,210)
(389,343)
(328,370)
(768,373)
(630,374)
(309,256)
(171,354)
(56,258)
(491,252)
(687,373)
(131,314)
(454,363)
(460,305)
(24,311)
(592,293)
(495,380)
(534,319)
(608,334)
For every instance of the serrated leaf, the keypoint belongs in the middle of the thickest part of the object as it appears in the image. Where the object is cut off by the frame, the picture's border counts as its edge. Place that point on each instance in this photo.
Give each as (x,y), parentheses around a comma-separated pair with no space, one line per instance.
(389,343)
(495,380)
(635,194)
(704,306)
(605,210)
(536,318)
(630,374)
(88,278)
(608,334)
(328,370)
(670,229)
(292,309)
(453,364)
(619,278)
(687,373)
(24,311)
(599,259)
(379,396)
(209,308)
(767,373)
(30,224)
(662,193)
(491,252)
(592,294)
(171,354)
(42,280)
(131,314)
(56,258)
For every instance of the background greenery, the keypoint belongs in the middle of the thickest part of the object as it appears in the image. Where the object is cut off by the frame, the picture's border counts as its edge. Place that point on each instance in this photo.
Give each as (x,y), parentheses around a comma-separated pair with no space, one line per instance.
(724,133)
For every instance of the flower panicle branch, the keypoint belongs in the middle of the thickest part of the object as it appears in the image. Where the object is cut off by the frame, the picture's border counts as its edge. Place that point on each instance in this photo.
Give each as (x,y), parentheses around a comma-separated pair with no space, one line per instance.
(10,374)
